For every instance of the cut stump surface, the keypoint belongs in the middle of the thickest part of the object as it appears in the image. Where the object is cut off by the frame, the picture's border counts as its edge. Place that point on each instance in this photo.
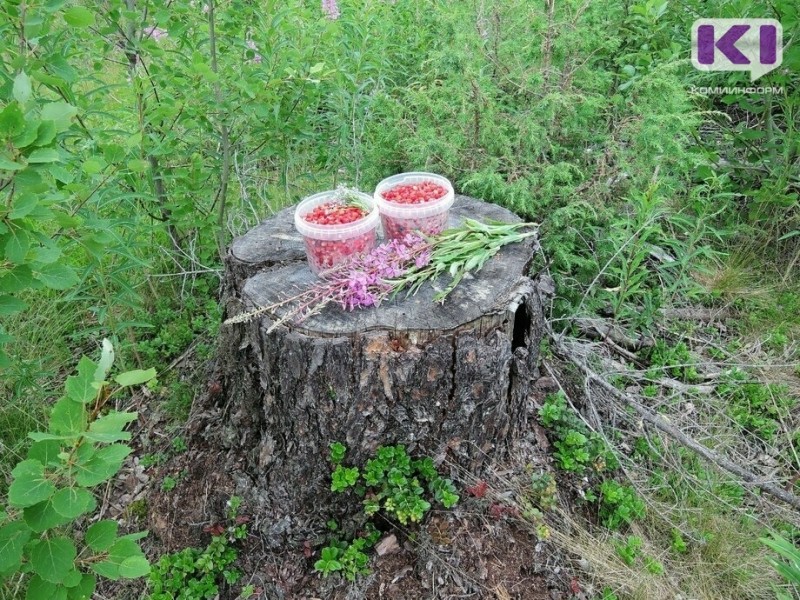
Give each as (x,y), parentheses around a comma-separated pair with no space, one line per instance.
(450,381)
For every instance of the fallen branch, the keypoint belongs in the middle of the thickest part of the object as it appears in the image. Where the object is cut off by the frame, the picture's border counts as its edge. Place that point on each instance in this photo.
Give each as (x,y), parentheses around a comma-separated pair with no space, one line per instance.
(696,314)
(676,434)
(600,329)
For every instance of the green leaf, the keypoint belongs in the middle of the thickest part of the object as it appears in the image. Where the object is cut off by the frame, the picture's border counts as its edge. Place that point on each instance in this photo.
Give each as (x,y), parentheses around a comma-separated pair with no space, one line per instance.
(42,516)
(45,452)
(22,87)
(10,305)
(39,589)
(17,247)
(23,205)
(30,486)
(18,279)
(80,387)
(13,537)
(73,578)
(109,428)
(78,16)
(85,589)
(101,535)
(6,164)
(105,362)
(28,135)
(60,113)
(135,377)
(92,166)
(104,464)
(12,121)
(106,569)
(53,559)
(68,418)
(56,276)
(138,165)
(44,155)
(133,567)
(72,502)
(46,133)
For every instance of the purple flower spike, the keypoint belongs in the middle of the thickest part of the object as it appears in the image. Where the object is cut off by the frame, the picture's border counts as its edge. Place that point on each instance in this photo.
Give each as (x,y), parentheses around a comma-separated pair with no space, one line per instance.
(331,9)
(155,33)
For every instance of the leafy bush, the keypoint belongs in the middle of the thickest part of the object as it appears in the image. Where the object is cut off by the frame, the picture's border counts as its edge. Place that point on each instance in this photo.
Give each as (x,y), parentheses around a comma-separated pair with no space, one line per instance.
(347,558)
(576,447)
(619,504)
(392,481)
(51,492)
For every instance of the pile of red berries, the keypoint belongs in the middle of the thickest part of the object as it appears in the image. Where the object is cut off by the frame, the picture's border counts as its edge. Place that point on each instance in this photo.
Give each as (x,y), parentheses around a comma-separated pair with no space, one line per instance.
(415,193)
(324,254)
(333,213)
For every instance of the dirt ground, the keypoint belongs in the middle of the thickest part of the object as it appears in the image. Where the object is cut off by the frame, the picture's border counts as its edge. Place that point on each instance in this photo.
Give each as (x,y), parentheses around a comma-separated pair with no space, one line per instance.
(480,549)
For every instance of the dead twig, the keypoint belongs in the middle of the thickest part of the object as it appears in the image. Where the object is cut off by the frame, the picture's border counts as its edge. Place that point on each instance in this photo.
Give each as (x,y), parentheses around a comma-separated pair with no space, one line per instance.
(673,432)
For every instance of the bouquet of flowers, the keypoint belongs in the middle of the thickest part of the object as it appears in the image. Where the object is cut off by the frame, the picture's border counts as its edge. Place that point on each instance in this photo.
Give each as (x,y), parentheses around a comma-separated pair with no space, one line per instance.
(400,266)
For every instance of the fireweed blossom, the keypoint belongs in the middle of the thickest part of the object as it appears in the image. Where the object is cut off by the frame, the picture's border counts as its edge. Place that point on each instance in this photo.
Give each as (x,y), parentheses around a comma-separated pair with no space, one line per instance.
(155,33)
(331,9)
(361,282)
(257,58)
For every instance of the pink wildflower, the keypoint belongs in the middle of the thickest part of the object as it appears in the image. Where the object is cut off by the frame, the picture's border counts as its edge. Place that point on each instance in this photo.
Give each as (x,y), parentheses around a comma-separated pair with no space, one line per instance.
(155,33)
(331,9)
(252,45)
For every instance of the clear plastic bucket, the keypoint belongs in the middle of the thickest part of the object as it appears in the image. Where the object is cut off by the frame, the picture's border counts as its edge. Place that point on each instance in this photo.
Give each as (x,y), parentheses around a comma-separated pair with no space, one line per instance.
(428,217)
(330,245)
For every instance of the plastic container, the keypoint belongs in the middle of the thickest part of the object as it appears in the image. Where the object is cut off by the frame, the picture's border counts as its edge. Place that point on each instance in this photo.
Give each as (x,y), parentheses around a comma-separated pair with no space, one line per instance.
(428,217)
(330,245)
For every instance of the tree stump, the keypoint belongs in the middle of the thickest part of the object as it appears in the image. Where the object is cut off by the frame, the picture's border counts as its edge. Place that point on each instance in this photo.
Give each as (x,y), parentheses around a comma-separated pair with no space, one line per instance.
(449,381)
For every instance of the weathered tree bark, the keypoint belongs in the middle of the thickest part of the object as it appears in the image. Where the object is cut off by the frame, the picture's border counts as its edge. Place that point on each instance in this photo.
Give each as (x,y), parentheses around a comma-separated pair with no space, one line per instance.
(449,381)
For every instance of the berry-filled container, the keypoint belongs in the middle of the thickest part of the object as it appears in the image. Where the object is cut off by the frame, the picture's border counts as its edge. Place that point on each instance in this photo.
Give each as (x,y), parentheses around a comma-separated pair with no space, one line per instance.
(336,225)
(414,201)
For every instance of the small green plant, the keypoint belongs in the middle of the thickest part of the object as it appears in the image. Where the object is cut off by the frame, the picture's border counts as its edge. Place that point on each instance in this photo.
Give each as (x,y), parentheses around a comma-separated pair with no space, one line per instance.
(678,544)
(170,482)
(607,594)
(544,490)
(675,361)
(629,550)
(248,591)
(653,566)
(179,445)
(52,489)
(576,447)
(392,481)
(755,406)
(619,504)
(348,558)
(789,567)
(194,574)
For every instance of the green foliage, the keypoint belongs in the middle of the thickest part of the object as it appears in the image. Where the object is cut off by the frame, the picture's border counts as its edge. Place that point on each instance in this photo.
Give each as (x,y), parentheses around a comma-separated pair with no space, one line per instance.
(675,361)
(194,573)
(347,558)
(394,483)
(755,406)
(576,447)
(544,490)
(789,564)
(619,504)
(51,492)
(629,550)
